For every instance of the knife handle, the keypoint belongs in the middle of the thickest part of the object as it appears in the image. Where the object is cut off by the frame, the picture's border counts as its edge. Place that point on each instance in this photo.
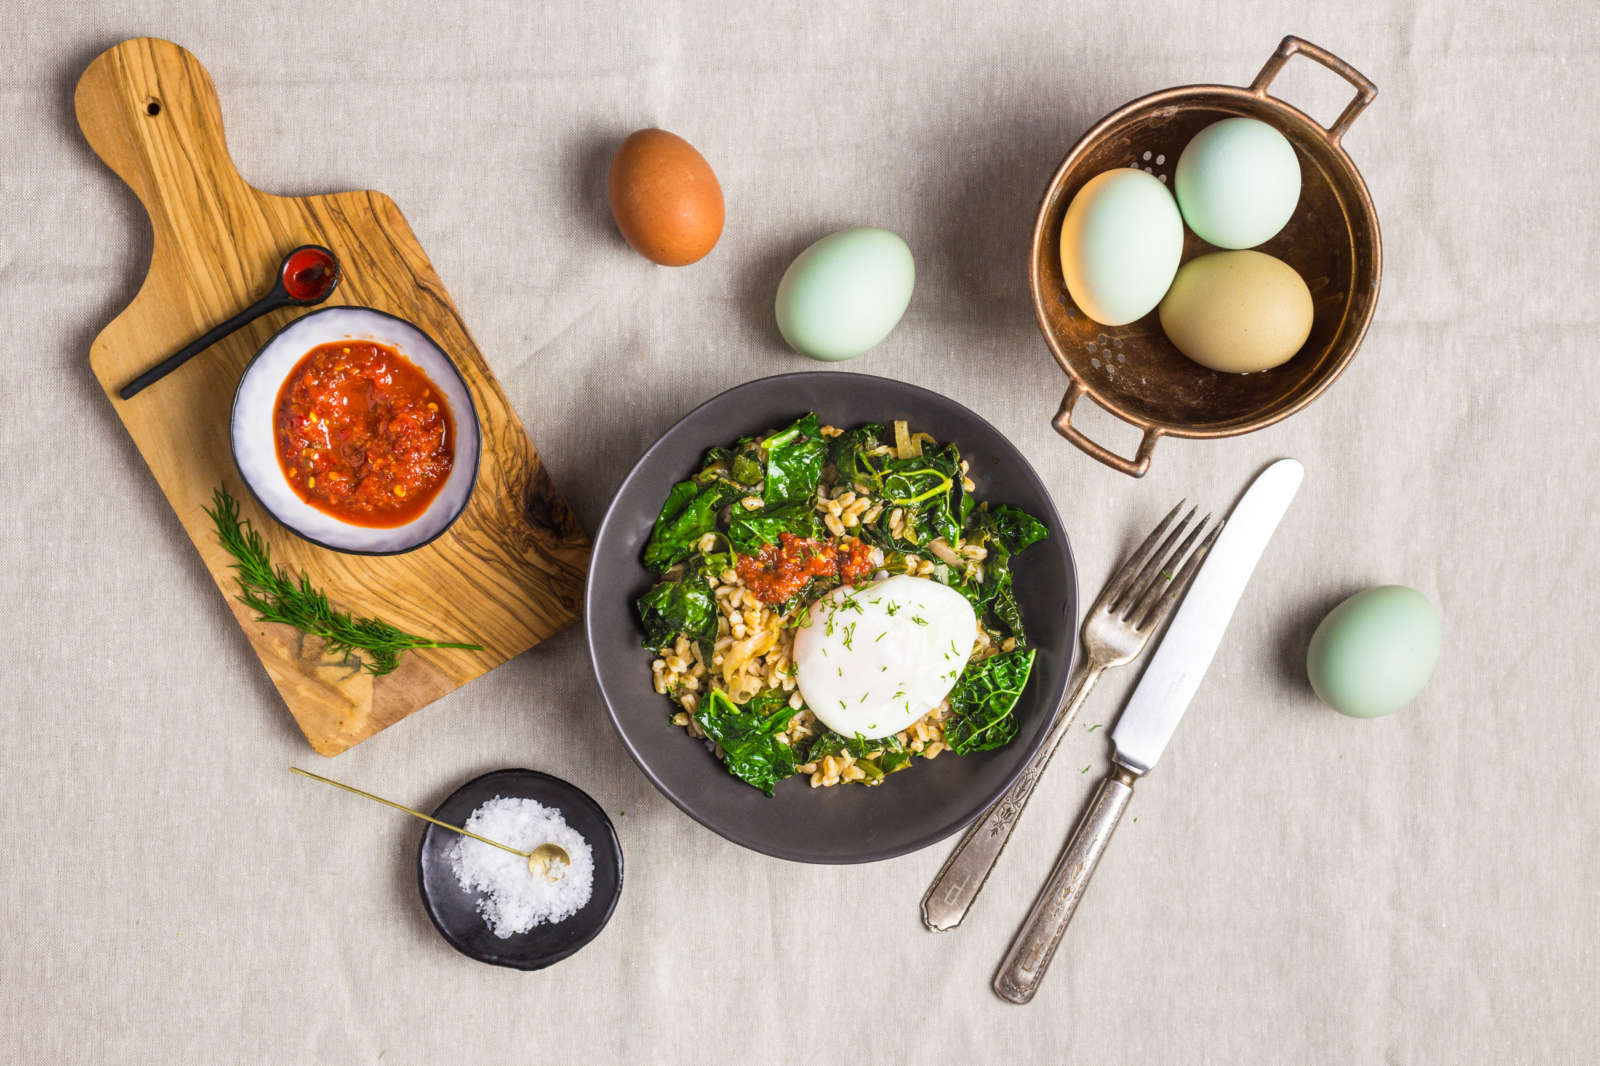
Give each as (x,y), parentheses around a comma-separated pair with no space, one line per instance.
(1036,942)
(961,877)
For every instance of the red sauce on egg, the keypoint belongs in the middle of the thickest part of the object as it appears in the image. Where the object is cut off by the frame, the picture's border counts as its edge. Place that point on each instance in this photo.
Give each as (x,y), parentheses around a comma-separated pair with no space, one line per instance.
(363,434)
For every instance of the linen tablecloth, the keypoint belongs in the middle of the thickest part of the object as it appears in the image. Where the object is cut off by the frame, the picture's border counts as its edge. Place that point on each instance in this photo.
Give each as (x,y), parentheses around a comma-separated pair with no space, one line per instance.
(1299,887)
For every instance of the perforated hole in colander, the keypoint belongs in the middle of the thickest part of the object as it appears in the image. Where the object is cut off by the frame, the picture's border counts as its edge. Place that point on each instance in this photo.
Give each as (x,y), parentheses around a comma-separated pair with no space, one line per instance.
(1149,161)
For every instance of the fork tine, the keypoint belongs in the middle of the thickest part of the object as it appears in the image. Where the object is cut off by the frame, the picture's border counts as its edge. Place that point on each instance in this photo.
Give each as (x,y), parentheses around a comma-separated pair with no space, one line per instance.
(1124,575)
(1151,569)
(1163,573)
(1159,601)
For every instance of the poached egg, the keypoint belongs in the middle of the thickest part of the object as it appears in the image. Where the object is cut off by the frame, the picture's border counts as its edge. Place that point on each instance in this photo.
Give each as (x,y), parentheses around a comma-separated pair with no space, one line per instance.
(873,660)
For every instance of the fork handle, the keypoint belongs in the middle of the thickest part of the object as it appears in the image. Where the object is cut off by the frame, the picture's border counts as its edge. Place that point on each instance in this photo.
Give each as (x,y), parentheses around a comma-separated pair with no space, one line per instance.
(1036,942)
(963,874)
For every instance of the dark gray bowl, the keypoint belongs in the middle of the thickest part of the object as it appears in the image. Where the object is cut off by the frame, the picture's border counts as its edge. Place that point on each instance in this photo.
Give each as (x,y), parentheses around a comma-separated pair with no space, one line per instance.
(911,809)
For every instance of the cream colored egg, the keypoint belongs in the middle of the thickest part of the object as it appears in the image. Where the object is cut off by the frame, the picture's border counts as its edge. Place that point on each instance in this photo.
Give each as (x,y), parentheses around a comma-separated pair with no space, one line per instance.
(1237,312)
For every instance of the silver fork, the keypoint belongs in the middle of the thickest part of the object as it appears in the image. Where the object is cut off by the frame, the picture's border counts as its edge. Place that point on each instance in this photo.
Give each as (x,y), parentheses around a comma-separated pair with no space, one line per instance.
(1134,603)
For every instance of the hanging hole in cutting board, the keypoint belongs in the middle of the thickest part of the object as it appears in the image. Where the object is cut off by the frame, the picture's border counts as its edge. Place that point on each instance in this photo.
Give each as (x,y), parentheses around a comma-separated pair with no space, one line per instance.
(153,108)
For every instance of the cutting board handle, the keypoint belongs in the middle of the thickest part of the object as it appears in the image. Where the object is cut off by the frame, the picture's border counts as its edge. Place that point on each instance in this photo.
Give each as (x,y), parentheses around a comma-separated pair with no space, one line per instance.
(150,111)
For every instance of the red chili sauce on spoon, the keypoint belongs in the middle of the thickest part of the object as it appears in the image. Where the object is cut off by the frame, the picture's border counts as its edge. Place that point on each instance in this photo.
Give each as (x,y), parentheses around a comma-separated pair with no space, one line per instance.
(309,273)
(363,434)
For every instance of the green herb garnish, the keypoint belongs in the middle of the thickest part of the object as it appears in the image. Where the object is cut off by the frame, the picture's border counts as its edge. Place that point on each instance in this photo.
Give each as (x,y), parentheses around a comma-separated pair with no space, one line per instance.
(276,596)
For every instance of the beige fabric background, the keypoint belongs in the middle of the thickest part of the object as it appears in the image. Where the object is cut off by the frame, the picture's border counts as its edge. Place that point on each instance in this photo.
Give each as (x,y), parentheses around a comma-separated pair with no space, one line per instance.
(1299,887)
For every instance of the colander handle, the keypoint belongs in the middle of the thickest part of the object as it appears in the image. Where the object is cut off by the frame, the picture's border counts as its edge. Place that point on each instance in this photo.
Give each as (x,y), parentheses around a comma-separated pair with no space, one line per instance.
(1134,467)
(1365,90)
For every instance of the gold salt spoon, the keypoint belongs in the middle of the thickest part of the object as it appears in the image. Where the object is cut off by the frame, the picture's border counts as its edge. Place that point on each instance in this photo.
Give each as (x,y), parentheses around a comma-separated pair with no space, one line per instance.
(549,861)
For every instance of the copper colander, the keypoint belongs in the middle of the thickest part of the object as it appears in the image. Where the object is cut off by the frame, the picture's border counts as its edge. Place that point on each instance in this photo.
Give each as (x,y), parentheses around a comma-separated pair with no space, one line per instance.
(1133,371)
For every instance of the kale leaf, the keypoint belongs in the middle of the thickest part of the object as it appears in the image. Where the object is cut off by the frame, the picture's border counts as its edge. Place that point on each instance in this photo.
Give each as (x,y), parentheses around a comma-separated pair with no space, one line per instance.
(848,454)
(736,472)
(983,702)
(927,488)
(1015,528)
(685,606)
(748,735)
(825,744)
(1001,598)
(716,456)
(689,513)
(749,530)
(794,462)
(1004,530)
(746,469)
(997,594)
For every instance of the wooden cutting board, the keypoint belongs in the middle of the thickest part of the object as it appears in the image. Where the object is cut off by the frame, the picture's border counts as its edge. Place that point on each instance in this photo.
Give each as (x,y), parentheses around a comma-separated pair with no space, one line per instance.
(506,575)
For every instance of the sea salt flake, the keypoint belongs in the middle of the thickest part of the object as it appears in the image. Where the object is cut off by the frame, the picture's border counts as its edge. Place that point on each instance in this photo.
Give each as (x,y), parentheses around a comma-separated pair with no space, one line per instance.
(510,898)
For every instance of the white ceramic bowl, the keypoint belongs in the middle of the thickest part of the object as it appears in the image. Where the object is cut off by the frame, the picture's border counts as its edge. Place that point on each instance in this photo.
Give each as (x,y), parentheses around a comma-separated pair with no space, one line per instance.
(255,450)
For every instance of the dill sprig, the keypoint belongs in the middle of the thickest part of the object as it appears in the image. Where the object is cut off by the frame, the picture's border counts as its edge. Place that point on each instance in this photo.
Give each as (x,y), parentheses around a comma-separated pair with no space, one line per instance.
(276,596)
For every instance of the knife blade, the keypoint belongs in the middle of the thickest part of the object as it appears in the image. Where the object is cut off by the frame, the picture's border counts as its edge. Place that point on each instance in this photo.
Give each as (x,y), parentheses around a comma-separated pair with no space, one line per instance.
(1175,671)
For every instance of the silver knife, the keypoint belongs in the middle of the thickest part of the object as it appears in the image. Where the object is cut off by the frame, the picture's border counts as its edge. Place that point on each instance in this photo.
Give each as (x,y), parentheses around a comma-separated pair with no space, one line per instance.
(1150,717)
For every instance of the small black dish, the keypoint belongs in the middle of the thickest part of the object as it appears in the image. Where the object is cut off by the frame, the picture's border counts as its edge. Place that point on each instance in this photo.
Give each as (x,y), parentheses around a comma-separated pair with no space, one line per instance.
(454,910)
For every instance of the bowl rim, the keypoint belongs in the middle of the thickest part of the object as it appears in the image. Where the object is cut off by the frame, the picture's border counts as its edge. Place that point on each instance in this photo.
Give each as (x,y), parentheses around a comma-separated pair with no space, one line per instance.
(612,842)
(472,409)
(1179,96)
(1051,702)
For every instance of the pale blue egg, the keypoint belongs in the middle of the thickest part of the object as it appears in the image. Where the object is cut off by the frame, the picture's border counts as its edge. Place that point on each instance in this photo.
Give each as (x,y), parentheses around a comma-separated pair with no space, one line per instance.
(1237,182)
(1121,241)
(845,293)
(1374,652)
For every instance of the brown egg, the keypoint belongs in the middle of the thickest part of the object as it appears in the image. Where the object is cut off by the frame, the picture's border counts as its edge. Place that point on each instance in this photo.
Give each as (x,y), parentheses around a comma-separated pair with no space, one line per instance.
(665,198)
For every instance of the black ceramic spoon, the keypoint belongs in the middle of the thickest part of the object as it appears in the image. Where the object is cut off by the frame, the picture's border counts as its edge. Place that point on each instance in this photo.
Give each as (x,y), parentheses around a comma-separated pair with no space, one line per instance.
(307,277)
